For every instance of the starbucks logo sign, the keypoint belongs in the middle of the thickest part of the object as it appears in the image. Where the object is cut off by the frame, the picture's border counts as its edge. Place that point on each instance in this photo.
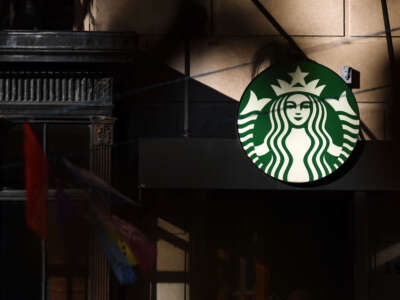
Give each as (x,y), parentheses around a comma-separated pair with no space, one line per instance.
(298,122)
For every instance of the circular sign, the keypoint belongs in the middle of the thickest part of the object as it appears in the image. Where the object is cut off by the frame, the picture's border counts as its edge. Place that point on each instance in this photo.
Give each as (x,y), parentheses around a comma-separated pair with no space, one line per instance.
(298,122)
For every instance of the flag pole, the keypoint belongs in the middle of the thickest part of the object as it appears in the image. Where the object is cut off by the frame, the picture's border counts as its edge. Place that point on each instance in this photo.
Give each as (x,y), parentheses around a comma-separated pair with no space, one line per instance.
(43,242)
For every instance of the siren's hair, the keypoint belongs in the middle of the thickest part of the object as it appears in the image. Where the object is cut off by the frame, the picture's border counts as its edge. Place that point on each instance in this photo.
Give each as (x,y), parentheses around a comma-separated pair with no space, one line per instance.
(281,160)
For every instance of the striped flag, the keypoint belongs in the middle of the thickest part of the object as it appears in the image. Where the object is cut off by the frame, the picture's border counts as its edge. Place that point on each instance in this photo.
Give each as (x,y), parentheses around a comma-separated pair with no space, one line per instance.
(114,235)
(36,182)
(143,249)
(120,265)
(122,245)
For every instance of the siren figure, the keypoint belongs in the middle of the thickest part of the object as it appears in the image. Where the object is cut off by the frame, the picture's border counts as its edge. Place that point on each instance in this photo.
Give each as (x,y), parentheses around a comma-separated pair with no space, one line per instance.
(298,139)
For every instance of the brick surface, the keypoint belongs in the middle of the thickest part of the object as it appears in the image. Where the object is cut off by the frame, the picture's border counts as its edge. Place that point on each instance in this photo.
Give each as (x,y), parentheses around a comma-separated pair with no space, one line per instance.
(366,17)
(228,61)
(368,56)
(396,47)
(373,116)
(227,64)
(306,17)
(144,17)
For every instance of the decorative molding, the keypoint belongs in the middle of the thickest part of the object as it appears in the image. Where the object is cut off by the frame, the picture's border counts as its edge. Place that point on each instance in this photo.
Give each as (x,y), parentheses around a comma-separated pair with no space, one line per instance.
(55,93)
(55,88)
(103,131)
(20,195)
(64,46)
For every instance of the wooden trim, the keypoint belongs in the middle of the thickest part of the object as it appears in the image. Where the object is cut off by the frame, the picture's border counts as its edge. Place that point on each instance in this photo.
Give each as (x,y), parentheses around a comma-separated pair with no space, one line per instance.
(171,238)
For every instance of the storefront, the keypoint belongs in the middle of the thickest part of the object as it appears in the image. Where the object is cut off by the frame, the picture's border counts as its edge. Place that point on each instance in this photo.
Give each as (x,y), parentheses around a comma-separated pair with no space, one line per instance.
(162,125)
(63,84)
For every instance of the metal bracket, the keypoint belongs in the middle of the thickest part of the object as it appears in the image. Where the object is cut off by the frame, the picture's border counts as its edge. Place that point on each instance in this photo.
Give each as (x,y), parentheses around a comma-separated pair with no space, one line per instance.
(347,74)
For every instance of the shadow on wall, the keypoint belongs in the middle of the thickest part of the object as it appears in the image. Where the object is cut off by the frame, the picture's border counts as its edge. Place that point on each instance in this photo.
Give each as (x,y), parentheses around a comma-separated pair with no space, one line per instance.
(37,14)
(153,104)
(194,21)
(159,90)
(393,108)
(273,53)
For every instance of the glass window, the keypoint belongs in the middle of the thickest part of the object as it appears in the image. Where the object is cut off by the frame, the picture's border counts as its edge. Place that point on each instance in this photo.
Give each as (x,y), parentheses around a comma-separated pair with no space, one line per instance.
(170,258)
(68,239)
(12,165)
(172,291)
(58,288)
(76,149)
(172,262)
(67,252)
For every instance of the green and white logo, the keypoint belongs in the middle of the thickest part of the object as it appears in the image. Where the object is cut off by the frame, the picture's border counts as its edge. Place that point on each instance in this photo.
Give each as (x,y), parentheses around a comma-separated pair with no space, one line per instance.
(298,122)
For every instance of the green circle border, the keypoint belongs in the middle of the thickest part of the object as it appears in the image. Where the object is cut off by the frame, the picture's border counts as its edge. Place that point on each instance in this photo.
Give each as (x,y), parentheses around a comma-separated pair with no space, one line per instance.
(275,72)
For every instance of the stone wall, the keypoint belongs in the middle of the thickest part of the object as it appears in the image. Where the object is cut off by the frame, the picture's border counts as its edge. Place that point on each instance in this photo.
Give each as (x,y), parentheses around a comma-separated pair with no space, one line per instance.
(233,33)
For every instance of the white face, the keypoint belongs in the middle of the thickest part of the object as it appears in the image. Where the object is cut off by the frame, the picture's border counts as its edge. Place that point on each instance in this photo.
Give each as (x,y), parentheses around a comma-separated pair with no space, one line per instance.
(298,109)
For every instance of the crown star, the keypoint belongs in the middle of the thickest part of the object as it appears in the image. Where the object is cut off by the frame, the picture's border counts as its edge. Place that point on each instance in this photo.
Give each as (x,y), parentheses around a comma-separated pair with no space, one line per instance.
(298,77)
(298,84)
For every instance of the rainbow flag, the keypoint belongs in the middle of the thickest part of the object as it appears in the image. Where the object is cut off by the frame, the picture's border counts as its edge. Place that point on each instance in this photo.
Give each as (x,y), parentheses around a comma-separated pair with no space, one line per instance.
(114,235)
(144,250)
(119,263)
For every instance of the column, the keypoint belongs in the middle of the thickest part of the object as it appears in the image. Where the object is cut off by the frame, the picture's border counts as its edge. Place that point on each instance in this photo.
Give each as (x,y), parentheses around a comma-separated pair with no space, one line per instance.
(101,131)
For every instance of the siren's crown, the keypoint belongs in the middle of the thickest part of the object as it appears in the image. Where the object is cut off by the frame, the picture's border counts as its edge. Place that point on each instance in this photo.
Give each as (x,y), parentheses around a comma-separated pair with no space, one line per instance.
(298,84)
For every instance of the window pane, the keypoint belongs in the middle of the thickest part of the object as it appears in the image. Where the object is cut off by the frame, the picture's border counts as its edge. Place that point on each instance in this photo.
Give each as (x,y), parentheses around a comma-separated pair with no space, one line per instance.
(169,257)
(175,230)
(58,288)
(67,242)
(61,287)
(79,288)
(71,141)
(12,165)
(172,291)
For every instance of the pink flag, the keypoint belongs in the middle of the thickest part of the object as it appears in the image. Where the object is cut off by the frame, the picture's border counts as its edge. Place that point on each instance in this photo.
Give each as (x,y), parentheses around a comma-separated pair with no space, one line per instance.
(36,177)
(89,178)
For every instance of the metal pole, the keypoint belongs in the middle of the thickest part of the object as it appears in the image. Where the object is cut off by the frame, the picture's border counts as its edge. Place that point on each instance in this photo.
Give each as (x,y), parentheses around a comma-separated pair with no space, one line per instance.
(43,242)
(279,28)
(186,91)
(390,53)
(212,17)
(388,35)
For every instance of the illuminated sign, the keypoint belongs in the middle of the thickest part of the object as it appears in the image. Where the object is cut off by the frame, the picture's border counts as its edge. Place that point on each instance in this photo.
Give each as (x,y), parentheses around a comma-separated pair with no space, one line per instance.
(298,122)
